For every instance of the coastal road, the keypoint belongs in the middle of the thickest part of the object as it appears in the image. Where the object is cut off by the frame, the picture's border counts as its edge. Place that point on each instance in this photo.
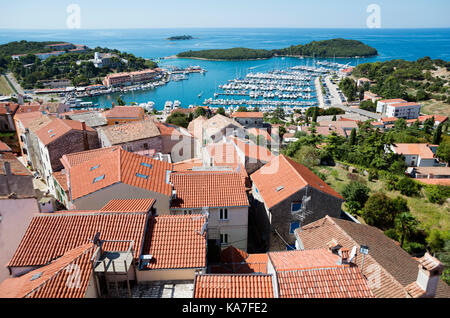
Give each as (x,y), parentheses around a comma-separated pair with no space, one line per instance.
(12,80)
(336,102)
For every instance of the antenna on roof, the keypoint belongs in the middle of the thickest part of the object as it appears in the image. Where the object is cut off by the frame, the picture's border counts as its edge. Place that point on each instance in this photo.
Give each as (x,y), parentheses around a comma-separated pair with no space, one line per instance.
(96,239)
(303,212)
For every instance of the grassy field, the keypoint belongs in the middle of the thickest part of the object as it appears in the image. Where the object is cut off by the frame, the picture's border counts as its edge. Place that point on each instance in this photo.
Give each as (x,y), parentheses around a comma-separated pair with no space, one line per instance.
(430,214)
(433,107)
(5,89)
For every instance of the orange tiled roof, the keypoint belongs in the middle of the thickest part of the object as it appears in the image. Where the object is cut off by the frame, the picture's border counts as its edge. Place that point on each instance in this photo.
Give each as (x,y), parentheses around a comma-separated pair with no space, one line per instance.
(394,100)
(283,171)
(188,164)
(51,235)
(76,158)
(129,205)
(120,166)
(131,131)
(247,115)
(439,118)
(395,266)
(346,282)
(52,280)
(4,147)
(303,259)
(435,181)
(12,108)
(421,150)
(223,154)
(252,150)
(17,168)
(125,112)
(197,189)
(237,261)
(260,132)
(174,241)
(61,177)
(233,286)
(57,128)
(405,104)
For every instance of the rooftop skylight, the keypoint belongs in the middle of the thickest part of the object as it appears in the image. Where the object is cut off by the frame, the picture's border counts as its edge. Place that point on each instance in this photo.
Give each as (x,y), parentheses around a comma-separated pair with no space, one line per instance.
(146,165)
(94,167)
(141,176)
(279,188)
(98,178)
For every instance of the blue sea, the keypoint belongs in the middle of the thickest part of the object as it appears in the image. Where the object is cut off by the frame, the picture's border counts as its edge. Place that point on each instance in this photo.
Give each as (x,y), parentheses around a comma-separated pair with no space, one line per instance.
(408,44)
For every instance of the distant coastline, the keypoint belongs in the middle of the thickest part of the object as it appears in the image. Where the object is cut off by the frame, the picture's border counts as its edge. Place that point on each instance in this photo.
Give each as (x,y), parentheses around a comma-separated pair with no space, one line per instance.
(180,38)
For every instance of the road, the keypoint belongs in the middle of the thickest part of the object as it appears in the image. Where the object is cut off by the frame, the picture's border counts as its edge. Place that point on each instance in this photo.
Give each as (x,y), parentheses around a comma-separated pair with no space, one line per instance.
(12,80)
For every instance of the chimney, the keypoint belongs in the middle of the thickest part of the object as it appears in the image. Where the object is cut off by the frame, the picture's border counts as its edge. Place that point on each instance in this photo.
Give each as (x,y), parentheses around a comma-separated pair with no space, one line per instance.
(8,110)
(430,270)
(7,168)
(344,253)
(85,136)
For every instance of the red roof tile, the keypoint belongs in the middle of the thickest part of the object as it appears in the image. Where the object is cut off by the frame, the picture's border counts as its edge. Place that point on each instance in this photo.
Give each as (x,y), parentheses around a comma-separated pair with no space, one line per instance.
(251,150)
(174,241)
(49,236)
(120,166)
(197,189)
(8,107)
(125,112)
(346,282)
(303,259)
(76,158)
(283,171)
(233,286)
(52,279)
(247,115)
(4,147)
(129,205)
(57,128)
(17,168)
(61,178)
(421,150)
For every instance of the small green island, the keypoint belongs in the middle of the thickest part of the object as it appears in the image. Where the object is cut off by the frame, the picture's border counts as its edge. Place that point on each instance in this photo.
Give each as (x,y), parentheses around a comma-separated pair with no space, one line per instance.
(180,38)
(340,48)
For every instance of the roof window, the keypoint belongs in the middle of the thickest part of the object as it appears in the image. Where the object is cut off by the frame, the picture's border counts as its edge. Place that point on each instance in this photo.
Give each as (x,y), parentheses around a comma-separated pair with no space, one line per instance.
(146,165)
(99,178)
(94,167)
(278,189)
(141,176)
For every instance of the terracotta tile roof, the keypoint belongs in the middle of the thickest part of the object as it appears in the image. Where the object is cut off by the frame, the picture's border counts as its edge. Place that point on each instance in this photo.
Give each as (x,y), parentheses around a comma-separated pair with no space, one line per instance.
(439,118)
(260,132)
(174,241)
(135,130)
(34,120)
(125,112)
(414,290)
(234,260)
(304,259)
(389,119)
(4,147)
(233,286)
(57,128)
(5,106)
(390,101)
(404,104)
(28,108)
(168,130)
(61,178)
(197,189)
(17,168)
(252,150)
(224,154)
(49,236)
(76,158)
(52,279)
(435,181)
(421,150)
(347,282)
(129,205)
(120,166)
(195,127)
(292,176)
(247,115)
(396,267)
(187,165)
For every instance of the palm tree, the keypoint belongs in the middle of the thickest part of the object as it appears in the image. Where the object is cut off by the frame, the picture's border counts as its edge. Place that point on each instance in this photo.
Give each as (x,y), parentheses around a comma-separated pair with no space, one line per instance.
(405,224)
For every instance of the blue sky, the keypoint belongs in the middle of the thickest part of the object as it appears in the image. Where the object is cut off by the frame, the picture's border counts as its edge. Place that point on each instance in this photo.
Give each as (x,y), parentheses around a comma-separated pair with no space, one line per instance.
(108,14)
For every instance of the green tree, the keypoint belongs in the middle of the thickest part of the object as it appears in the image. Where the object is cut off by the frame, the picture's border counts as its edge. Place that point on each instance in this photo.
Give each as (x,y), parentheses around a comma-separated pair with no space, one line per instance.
(443,152)
(405,224)
(179,119)
(221,111)
(334,118)
(380,211)
(199,111)
(242,109)
(356,195)
(437,135)
(308,156)
(352,139)
(407,187)
(120,101)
